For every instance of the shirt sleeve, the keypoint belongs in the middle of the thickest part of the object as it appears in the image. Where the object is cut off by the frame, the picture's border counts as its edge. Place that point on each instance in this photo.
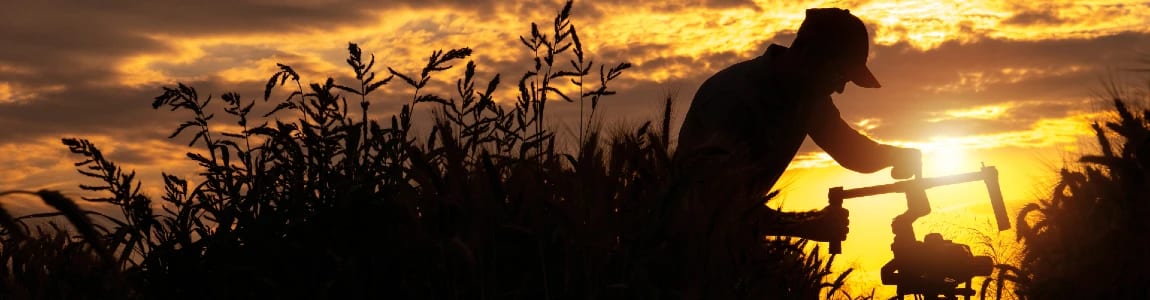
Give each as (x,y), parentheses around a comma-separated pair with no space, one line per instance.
(846,145)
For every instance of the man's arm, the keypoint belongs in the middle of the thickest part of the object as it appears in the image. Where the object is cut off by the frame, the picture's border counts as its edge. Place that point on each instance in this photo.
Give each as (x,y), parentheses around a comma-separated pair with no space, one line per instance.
(846,145)
(828,224)
(855,151)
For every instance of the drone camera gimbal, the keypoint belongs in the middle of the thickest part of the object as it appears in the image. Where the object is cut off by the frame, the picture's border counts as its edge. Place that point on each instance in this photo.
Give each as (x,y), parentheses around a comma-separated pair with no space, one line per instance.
(933,267)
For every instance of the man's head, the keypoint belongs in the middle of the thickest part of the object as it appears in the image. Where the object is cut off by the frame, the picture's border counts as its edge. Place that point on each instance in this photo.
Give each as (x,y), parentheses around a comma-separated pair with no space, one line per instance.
(832,47)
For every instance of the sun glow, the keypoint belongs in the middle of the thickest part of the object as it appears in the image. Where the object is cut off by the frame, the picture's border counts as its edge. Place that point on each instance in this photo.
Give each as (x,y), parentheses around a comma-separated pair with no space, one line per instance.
(942,159)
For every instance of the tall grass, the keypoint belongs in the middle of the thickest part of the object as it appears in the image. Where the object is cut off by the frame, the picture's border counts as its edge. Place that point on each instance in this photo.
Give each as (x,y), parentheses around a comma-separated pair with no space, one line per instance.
(329,204)
(1088,239)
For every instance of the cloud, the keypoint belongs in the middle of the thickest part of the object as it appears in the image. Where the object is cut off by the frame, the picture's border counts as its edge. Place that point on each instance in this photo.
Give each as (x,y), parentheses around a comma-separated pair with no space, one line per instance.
(1038,78)
(1034,17)
(6,93)
(929,24)
(27,161)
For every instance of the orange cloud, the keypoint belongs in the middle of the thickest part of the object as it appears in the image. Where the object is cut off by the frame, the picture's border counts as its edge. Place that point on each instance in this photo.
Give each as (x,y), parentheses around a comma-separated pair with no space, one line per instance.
(11,92)
(6,92)
(987,112)
(978,81)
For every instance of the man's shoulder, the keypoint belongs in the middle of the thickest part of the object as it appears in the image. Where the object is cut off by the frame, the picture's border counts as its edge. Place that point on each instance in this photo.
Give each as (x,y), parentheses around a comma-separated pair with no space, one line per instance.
(774,50)
(751,73)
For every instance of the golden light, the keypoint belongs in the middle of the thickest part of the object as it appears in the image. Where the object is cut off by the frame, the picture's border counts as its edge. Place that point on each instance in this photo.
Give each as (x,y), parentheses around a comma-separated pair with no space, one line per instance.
(942,158)
(6,92)
(982,112)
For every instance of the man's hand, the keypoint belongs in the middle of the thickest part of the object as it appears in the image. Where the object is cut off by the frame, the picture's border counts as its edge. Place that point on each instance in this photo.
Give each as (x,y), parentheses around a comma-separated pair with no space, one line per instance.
(905,162)
(831,224)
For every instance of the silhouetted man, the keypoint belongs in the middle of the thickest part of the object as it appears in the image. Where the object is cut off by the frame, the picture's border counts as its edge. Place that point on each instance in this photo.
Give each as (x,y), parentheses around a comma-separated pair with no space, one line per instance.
(747,122)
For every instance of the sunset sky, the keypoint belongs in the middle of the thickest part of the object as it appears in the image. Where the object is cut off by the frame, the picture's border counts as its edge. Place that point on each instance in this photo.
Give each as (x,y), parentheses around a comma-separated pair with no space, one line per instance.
(1013,84)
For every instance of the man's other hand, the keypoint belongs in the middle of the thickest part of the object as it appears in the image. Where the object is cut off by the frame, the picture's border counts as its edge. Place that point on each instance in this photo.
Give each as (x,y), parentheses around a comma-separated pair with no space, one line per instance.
(905,162)
(832,224)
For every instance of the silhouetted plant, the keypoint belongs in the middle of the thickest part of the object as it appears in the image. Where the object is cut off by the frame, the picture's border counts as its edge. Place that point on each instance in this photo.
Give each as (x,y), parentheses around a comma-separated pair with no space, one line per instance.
(1088,239)
(49,263)
(327,204)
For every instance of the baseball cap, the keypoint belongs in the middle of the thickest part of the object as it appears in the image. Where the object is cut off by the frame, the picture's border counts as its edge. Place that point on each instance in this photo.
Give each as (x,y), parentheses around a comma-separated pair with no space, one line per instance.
(843,38)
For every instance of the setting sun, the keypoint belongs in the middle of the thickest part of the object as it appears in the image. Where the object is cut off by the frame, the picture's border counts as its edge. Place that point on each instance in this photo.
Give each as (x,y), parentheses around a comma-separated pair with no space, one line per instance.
(941,159)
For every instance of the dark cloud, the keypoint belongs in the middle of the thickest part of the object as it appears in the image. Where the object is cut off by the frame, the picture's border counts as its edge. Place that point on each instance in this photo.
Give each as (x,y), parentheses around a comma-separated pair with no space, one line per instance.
(77,44)
(77,110)
(1034,17)
(730,3)
(123,114)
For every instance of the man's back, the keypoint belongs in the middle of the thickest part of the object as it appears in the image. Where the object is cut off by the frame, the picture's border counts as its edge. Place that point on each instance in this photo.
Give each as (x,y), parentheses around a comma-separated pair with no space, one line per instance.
(746,117)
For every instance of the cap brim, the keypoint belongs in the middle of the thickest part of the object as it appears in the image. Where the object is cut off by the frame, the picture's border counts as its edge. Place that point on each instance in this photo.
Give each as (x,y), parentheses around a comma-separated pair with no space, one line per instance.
(862,77)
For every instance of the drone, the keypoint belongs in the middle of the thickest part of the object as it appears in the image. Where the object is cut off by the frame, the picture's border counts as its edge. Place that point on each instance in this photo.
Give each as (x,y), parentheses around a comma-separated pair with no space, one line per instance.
(933,268)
